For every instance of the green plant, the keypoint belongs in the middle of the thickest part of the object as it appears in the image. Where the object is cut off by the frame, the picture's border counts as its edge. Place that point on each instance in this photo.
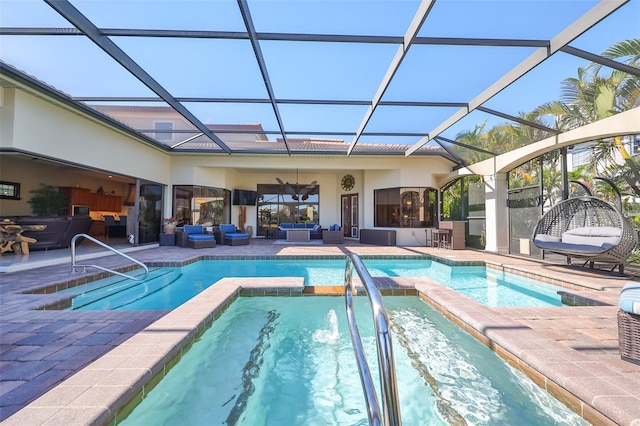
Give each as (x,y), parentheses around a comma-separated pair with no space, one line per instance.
(47,201)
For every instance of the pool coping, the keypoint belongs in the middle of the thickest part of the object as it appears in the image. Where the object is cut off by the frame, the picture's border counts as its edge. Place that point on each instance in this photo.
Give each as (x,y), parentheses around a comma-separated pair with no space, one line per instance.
(109,386)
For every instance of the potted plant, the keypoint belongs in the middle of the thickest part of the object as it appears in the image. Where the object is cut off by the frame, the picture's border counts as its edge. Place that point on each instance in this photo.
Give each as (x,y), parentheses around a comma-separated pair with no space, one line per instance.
(47,201)
(170,224)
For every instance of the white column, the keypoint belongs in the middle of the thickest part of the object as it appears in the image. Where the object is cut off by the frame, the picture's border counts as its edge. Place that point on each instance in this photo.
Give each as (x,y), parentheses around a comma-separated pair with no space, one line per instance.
(497,213)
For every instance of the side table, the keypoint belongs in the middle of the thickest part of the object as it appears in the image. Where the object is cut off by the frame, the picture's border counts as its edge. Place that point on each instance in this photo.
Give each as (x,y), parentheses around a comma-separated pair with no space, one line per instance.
(167,239)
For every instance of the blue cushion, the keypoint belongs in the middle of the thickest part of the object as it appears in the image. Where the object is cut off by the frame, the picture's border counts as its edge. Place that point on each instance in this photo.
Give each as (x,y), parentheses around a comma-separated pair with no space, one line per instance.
(286,225)
(236,236)
(201,237)
(193,229)
(630,298)
(228,228)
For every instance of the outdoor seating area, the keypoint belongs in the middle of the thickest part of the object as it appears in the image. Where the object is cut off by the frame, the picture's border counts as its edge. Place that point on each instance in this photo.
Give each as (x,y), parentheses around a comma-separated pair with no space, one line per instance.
(315,230)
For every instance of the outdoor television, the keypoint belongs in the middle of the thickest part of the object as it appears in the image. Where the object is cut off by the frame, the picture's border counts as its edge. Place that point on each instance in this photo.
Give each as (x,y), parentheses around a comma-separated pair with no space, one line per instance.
(243,197)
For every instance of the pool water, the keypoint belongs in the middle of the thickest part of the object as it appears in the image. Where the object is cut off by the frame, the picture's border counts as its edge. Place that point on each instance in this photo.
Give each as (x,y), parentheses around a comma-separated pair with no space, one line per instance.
(168,288)
(290,361)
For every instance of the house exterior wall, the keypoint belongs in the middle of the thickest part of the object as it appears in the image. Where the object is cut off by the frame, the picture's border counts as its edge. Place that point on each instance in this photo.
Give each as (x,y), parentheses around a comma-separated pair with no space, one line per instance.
(59,133)
(79,140)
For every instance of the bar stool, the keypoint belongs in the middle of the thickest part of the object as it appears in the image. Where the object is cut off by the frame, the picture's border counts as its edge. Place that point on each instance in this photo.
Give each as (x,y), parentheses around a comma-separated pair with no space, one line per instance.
(441,238)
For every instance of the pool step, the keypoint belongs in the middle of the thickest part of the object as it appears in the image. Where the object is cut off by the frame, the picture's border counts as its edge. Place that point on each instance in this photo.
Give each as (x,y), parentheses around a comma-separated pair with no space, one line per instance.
(126,291)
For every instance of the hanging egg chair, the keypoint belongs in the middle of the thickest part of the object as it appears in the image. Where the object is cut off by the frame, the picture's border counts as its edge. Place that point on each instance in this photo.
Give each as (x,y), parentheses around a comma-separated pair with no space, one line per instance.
(586,228)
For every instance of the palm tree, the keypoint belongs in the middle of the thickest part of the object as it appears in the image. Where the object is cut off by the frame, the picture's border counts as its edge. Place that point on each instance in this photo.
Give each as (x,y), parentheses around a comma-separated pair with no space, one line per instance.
(592,96)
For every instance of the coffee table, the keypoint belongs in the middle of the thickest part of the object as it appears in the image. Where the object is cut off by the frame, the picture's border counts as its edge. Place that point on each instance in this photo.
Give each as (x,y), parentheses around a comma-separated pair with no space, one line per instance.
(297,235)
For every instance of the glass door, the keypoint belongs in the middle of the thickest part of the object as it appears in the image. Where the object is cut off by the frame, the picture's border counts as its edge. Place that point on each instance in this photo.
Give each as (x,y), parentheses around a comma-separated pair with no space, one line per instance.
(349,219)
(150,218)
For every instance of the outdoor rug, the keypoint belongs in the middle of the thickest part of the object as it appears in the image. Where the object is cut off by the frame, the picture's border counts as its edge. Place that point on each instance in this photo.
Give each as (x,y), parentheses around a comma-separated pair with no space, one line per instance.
(298,243)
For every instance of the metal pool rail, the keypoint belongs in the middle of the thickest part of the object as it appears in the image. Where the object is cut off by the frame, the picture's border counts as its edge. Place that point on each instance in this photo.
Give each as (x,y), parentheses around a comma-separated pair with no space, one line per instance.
(386,365)
(118,252)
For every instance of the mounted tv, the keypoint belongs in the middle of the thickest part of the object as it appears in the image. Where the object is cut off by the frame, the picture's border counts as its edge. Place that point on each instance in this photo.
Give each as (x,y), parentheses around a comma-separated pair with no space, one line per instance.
(243,197)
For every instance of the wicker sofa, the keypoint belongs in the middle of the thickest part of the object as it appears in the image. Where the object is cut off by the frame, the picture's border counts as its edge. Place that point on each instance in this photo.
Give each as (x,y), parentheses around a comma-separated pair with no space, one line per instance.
(194,236)
(333,235)
(228,234)
(629,322)
(315,230)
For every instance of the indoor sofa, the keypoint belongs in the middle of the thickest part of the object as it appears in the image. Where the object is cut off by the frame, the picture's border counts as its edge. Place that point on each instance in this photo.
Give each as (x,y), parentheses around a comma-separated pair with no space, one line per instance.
(58,232)
(315,230)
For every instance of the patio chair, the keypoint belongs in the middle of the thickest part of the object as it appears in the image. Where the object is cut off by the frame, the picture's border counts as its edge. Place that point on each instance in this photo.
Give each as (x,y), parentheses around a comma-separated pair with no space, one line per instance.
(586,228)
(629,322)
(333,235)
(228,234)
(194,236)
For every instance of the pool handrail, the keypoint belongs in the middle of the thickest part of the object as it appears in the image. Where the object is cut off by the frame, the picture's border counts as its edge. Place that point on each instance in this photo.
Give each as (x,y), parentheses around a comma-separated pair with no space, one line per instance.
(386,364)
(102,268)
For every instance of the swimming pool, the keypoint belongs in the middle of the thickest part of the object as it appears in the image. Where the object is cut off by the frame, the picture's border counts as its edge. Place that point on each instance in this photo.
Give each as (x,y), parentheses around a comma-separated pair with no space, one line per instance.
(288,361)
(167,288)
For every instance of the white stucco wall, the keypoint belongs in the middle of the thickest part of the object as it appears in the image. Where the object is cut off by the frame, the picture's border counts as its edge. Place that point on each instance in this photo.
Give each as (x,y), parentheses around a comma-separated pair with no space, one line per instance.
(58,133)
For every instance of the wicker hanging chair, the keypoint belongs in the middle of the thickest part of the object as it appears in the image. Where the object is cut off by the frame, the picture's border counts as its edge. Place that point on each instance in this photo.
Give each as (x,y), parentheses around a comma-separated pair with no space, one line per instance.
(586,228)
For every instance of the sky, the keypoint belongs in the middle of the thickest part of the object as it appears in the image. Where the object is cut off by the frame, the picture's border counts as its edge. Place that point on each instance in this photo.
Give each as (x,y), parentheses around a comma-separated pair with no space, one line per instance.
(299,70)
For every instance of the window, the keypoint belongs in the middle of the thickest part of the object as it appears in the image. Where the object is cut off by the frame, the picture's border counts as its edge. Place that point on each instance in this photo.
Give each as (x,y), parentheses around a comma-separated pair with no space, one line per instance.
(201,205)
(278,204)
(9,190)
(405,207)
(164,131)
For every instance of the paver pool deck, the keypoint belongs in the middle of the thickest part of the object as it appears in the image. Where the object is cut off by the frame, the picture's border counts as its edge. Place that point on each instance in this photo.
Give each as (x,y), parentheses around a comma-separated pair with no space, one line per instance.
(80,367)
